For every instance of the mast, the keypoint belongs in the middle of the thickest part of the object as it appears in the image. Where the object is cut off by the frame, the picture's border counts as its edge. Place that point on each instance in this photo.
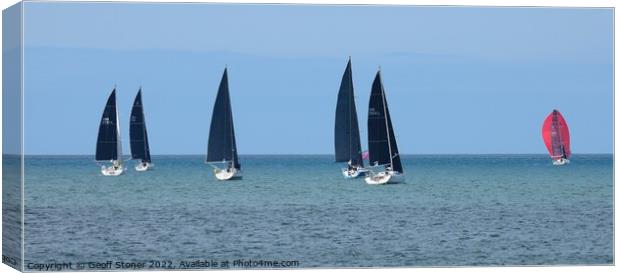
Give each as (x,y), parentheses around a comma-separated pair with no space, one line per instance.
(232,128)
(387,128)
(558,132)
(351,102)
(119,147)
(556,136)
(147,151)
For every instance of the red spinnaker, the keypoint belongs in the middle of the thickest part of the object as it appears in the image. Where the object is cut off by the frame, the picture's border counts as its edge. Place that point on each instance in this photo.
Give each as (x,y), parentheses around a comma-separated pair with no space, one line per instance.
(556,136)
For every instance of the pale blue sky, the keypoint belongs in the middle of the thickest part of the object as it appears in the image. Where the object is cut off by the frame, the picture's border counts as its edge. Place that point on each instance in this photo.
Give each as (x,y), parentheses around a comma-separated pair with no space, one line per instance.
(458,79)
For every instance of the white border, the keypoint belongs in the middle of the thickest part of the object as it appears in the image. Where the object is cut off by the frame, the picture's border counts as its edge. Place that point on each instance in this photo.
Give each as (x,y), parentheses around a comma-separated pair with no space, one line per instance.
(501,3)
(21,127)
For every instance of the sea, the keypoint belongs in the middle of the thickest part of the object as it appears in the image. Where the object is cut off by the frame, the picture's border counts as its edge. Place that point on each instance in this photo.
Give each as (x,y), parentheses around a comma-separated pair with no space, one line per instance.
(298,211)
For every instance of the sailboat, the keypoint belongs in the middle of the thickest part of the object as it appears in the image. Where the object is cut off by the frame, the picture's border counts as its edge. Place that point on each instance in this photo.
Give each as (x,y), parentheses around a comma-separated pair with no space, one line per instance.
(346,131)
(381,140)
(138,136)
(109,139)
(222,150)
(557,138)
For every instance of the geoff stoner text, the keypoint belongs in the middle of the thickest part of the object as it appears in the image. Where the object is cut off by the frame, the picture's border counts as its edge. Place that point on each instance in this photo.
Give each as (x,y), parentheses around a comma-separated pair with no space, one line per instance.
(242,263)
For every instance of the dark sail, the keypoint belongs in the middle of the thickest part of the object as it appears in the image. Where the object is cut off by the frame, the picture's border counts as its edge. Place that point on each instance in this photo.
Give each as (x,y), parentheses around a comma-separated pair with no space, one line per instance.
(108,142)
(346,132)
(222,142)
(137,131)
(382,146)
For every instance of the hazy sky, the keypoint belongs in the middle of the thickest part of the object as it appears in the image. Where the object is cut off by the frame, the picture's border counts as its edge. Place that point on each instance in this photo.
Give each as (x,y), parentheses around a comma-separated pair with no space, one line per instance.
(457,79)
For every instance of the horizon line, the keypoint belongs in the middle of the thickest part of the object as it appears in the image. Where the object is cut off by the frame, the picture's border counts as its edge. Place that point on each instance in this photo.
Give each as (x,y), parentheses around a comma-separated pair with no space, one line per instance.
(302,154)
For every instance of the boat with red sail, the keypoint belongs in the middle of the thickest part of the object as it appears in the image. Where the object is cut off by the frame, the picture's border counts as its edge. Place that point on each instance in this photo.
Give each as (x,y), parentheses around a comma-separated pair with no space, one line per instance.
(557,138)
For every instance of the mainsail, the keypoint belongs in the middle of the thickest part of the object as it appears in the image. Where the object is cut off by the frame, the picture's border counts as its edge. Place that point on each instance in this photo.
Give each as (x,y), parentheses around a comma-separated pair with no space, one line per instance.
(346,133)
(109,140)
(381,141)
(222,143)
(556,136)
(137,131)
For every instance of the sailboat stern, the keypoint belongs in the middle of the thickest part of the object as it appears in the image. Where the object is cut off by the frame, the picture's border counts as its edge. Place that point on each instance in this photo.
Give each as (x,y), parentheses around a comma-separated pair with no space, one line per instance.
(143,166)
(227,174)
(560,161)
(116,169)
(354,173)
(385,177)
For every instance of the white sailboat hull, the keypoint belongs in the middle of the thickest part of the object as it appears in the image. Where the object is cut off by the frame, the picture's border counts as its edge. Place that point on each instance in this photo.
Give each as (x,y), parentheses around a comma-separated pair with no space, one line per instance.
(141,167)
(359,172)
(112,171)
(385,177)
(227,174)
(560,161)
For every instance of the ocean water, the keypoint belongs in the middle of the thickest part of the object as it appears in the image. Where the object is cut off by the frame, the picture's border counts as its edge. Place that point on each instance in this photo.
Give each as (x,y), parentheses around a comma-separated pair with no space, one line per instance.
(453,211)
(11,210)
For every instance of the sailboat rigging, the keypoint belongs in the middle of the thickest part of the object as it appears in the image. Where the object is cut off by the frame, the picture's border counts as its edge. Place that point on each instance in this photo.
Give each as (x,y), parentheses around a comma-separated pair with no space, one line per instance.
(346,131)
(382,147)
(109,139)
(557,138)
(138,136)
(222,148)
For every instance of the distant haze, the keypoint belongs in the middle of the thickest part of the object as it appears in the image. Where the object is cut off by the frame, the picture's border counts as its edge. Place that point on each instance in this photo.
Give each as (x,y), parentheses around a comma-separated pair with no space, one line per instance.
(457,79)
